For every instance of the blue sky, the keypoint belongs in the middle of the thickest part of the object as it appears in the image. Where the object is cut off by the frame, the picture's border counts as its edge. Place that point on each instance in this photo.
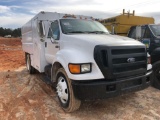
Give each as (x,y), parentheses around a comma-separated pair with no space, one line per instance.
(15,13)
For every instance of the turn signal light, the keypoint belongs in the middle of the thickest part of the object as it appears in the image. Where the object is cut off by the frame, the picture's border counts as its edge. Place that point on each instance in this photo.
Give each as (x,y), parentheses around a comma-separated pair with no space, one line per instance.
(74,68)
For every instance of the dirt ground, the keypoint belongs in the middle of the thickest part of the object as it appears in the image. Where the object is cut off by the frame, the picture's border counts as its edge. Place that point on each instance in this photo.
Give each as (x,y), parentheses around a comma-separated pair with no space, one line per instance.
(27,97)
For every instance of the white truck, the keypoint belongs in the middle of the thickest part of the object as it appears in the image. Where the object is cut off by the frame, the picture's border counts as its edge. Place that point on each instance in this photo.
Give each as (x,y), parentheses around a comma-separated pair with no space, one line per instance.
(82,59)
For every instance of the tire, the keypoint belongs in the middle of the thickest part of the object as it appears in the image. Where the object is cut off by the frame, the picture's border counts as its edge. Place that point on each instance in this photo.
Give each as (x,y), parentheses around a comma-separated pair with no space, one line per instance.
(65,92)
(30,69)
(156,75)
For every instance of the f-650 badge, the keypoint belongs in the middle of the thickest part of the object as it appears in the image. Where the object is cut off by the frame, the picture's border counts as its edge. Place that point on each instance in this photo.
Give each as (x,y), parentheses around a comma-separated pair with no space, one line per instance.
(131,60)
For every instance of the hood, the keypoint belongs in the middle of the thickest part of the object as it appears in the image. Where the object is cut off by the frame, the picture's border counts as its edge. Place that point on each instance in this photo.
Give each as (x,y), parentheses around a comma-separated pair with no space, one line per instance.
(103,39)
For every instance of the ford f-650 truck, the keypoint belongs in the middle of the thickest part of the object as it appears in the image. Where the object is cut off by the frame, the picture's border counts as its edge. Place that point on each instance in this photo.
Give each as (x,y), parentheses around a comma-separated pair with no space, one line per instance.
(82,59)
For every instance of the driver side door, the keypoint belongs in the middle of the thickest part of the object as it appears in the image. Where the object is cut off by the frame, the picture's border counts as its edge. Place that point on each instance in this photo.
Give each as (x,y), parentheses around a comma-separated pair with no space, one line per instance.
(52,42)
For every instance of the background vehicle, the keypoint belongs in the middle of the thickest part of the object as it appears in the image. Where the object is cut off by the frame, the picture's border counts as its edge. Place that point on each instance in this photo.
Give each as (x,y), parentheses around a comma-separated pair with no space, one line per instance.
(150,36)
(84,61)
(121,24)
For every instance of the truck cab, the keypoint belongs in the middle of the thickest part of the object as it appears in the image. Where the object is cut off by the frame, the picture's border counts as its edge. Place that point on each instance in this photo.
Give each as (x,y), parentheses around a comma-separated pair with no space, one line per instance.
(150,35)
(81,58)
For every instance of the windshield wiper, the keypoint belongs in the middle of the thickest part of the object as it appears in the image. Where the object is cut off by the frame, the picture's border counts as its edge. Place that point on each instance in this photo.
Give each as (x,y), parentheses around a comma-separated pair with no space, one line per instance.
(97,32)
(101,32)
(76,32)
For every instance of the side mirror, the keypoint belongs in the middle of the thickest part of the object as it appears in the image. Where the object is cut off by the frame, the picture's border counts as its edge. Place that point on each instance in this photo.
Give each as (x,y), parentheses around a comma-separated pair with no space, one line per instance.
(138,32)
(51,36)
(41,29)
(50,33)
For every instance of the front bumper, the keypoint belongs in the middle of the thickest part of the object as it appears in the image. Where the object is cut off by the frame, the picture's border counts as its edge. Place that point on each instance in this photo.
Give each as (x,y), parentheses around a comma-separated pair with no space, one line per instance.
(102,88)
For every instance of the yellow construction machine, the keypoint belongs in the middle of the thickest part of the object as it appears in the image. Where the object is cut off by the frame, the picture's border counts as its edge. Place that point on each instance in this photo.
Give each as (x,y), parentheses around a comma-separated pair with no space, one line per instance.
(121,24)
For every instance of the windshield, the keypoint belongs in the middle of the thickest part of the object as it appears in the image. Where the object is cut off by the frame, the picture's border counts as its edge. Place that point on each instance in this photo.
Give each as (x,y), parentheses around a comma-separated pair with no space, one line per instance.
(155,29)
(82,26)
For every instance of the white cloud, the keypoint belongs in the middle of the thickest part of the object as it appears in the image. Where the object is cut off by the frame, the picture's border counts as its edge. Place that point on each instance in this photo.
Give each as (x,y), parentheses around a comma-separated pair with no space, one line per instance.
(4,9)
(14,20)
(96,8)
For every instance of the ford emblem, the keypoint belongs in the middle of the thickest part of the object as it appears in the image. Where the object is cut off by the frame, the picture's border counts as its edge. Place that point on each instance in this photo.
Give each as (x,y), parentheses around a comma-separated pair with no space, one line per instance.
(131,60)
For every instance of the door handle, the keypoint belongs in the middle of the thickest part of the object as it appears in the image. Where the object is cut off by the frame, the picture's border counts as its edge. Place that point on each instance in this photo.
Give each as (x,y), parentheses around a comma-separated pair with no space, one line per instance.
(45,44)
(57,46)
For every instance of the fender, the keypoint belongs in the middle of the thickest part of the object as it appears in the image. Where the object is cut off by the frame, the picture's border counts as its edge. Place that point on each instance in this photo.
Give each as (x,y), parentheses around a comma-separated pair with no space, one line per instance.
(66,56)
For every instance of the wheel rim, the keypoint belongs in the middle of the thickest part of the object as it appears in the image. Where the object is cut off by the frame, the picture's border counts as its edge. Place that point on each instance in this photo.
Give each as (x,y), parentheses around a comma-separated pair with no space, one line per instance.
(28,63)
(62,90)
(157,74)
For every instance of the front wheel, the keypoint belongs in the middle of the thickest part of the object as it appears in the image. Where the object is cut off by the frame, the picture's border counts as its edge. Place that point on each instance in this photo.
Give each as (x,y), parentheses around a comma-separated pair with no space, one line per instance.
(65,92)
(156,75)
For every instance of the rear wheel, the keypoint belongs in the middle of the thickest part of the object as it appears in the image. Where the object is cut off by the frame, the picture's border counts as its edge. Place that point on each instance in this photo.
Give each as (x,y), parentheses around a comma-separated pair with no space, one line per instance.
(30,69)
(156,75)
(65,92)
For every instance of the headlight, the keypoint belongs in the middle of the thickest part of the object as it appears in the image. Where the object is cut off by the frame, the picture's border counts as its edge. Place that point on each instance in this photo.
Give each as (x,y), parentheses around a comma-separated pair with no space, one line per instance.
(85,68)
(80,68)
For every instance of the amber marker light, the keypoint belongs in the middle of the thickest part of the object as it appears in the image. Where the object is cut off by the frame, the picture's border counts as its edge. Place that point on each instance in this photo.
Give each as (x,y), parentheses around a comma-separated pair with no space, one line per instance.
(74,68)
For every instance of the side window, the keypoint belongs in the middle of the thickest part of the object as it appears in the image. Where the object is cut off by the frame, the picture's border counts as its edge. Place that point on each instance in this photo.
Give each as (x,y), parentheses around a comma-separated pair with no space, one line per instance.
(132,33)
(142,32)
(54,30)
(147,34)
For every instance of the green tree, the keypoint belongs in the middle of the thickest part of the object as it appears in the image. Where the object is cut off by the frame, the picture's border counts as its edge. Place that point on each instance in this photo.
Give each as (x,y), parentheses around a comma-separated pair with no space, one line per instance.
(8,31)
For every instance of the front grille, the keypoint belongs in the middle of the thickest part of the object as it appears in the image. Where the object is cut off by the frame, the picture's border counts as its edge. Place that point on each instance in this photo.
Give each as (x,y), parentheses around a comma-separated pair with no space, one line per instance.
(124,60)
(122,68)
(115,62)
(129,51)
(104,58)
